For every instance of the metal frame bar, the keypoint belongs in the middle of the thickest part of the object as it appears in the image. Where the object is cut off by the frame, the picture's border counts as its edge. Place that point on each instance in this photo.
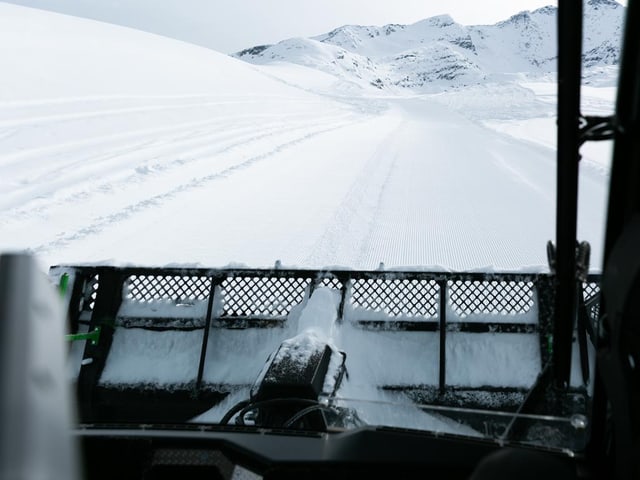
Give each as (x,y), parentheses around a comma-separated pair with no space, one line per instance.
(205,336)
(112,282)
(442,327)
(106,307)
(569,79)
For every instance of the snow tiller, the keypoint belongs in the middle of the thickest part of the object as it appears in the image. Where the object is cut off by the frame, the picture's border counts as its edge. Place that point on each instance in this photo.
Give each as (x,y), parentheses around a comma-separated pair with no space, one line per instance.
(300,348)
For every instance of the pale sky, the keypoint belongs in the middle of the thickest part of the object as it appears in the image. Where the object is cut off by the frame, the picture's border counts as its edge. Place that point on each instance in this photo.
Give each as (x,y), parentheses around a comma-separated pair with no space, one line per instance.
(232,25)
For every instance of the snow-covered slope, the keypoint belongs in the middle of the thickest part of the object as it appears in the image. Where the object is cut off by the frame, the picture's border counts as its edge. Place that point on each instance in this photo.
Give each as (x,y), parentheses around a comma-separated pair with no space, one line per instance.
(437,52)
(45,55)
(102,124)
(328,58)
(123,146)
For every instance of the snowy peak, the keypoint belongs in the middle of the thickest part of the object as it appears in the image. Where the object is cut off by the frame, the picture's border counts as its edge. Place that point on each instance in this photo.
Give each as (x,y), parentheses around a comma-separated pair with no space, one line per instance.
(525,42)
(521,18)
(393,38)
(603,4)
(606,53)
(439,21)
(602,32)
(548,10)
(437,53)
(353,37)
(312,53)
(441,28)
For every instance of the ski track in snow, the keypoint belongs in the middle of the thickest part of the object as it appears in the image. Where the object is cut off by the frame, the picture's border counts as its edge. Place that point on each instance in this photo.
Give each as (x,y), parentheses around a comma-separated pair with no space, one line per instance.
(415,195)
(153,155)
(155,201)
(356,213)
(422,199)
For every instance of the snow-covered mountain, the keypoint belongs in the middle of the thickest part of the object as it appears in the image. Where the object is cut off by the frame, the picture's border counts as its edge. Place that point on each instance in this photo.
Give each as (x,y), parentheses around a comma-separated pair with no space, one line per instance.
(437,52)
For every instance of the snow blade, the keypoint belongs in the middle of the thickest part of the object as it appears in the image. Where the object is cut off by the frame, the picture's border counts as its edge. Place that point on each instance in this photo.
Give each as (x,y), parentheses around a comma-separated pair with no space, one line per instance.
(176,342)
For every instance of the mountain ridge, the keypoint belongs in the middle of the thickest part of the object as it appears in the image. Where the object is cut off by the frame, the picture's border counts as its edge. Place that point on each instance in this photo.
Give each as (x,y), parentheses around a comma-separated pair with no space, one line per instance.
(438,53)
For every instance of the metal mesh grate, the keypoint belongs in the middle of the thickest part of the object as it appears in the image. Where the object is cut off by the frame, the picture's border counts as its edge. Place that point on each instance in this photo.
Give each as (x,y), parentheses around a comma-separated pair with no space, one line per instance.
(262,296)
(331,283)
(591,292)
(90,293)
(490,297)
(147,288)
(397,297)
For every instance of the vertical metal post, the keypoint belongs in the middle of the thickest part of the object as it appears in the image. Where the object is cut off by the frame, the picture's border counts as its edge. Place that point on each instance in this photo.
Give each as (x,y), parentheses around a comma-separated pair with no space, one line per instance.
(624,195)
(205,336)
(105,311)
(569,79)
(545,290)
(442,317)
(614,398)
(343,298)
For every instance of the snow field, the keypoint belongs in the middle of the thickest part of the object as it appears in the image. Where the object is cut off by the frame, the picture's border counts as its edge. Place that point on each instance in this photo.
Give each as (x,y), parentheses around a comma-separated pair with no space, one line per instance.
(102,162)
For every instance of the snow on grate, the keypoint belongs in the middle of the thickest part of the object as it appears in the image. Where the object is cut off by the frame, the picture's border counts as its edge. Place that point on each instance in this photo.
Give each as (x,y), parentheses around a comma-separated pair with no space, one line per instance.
(490,297)
(404,298)
(262,296)
(174,288)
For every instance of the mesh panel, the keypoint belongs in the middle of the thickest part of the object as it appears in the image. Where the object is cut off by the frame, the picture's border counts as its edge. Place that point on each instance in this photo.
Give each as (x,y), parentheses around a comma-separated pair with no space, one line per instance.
(261,296)
(147,288)
(398,297)
(90,293)
(490,297)
(590,291)
(331,283)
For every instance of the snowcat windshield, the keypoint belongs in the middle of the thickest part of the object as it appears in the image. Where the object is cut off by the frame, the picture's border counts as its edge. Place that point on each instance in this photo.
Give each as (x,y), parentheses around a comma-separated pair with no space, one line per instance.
(318,231)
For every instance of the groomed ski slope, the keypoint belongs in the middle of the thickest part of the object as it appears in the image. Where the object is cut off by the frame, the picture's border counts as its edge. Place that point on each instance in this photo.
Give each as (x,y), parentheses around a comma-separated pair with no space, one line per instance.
(123,147)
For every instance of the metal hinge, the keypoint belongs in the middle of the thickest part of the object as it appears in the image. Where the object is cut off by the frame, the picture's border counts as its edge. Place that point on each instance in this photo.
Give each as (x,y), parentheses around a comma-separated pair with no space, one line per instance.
(593,128)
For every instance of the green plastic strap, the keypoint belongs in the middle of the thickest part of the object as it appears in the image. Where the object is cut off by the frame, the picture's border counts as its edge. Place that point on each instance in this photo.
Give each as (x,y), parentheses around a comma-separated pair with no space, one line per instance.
(64,284)
(93,336)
